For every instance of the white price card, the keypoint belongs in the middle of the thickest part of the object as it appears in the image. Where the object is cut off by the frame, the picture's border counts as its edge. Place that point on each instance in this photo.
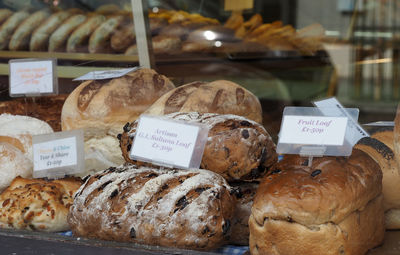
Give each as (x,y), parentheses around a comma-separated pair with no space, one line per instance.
(58,154)
(314,130)
(32,77)
(169,143)
(105,74)
(308,131)
(331,106)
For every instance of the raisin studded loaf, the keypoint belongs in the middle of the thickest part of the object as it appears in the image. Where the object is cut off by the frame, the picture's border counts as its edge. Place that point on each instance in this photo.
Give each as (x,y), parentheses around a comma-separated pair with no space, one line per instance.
(237,148)
(334,207)
(186,209)
(37,204)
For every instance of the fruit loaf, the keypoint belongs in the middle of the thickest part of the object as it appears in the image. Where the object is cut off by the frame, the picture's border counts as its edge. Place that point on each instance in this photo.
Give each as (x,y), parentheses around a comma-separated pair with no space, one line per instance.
(333,207)
(186,209)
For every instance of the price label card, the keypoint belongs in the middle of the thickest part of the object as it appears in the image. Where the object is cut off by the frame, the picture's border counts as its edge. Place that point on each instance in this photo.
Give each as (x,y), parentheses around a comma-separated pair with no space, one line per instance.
(168,142)
(58,154)
(32,77)
(331,106)
(309,132)
(106,74)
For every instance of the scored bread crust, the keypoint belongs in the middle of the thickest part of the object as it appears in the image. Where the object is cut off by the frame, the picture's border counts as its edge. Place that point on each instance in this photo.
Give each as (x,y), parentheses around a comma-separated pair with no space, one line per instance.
(177,208)
(104,106)
(297,202)
(37,204)
(236,148)
(221,96)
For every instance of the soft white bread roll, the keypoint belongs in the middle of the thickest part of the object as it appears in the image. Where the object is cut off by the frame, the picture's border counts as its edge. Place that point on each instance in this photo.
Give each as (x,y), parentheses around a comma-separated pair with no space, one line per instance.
(223,97)
(13,163)
(103,107)
(18,130)
(380,147)
(333,207)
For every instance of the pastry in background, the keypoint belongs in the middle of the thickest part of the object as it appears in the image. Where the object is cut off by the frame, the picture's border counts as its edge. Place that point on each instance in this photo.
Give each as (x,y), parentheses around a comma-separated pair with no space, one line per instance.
(236,148)
(189,209)
(223,97)
(37,204)
(102,108)
(333,207)
(9,26)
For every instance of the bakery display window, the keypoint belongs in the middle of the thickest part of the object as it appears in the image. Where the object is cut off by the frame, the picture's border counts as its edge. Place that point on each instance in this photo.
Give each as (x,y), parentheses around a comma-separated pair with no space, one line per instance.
(231,66)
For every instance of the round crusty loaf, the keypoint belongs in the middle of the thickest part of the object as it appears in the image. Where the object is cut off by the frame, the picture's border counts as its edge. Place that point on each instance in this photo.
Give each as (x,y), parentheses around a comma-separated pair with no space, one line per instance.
(102,107)
(185,209)
(333,207)
(380,147)
(37,204)
(223,97)
(237,148)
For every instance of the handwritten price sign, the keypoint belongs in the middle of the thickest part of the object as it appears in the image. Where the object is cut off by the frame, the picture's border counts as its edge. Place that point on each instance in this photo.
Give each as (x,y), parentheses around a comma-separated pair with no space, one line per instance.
(32,77)
(169,143)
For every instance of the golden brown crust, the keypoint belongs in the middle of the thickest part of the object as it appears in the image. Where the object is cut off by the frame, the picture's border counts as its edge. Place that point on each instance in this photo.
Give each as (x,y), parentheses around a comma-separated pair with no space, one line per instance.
(320,193)
(223,97)
(185,209)
(332,207)
(8,27)
(166,44)
(356,234)
(108,104)
(36,204)
(236,148)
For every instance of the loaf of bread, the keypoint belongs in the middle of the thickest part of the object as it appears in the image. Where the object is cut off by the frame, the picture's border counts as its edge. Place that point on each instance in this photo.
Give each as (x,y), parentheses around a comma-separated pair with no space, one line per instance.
(79,39)
(380,147)
(246,192)
(58,39)
(102,107)
(21,129)
(164,44)
(237,148)
(123,38)
(186,209)
(40,37)
(396,133)
(223,97)
(99,41)
(8,27)
(22,35)
(13,162)
(334,207)
(36,204)
(4,15)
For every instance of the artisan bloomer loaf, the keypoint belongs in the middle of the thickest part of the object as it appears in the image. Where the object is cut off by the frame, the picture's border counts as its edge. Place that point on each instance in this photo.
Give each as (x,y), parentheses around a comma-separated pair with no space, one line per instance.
(237,148)
(37,204)
(187,209)
(333,207)
(223,97)
(102,107)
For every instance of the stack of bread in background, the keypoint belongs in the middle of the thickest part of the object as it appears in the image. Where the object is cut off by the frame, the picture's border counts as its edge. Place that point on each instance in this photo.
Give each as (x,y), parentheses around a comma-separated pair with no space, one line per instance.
(109,29)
